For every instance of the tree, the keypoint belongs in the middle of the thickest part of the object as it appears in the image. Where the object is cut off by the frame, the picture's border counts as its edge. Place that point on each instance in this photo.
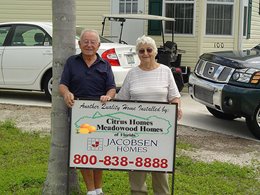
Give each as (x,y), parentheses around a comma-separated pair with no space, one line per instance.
(60,179)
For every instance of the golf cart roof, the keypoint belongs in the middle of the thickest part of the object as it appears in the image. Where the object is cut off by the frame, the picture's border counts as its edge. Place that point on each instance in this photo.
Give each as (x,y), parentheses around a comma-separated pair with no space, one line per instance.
(137,17)
(123,17)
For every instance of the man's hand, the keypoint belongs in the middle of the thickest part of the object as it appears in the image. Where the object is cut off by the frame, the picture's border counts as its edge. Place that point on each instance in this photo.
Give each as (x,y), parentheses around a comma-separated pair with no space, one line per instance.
(105,98)
(69,99)
(67,95)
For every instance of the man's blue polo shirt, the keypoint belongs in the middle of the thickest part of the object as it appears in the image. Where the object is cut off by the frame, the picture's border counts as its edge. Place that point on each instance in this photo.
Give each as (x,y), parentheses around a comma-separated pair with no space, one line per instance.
(87,82)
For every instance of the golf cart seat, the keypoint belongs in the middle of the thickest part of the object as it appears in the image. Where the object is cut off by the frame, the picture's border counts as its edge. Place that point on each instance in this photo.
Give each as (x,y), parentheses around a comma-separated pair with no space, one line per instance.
(168,55)
(171,46)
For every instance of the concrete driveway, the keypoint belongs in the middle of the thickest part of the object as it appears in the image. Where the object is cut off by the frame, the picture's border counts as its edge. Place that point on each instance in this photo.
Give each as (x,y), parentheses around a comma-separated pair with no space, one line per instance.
(197,115)
(194,113)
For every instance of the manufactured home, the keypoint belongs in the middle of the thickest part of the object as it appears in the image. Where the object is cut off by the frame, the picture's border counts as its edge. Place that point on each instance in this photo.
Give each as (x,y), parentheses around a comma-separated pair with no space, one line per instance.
(200,25)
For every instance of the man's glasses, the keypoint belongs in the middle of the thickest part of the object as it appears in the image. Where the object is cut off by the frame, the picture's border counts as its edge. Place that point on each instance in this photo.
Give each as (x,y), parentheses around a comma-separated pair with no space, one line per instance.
(89,42)
(148,50)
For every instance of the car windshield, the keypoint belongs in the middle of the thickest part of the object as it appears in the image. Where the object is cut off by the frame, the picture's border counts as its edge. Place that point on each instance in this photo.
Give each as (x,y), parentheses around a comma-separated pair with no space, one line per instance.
(102,39)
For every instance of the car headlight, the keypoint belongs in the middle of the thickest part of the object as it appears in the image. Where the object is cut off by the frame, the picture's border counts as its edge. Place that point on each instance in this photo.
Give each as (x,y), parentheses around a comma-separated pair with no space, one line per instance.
(255,79)
(248,75)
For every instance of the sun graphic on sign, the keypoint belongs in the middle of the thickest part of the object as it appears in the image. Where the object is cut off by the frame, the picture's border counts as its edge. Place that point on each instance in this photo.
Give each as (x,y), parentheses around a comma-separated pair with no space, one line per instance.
(86,128)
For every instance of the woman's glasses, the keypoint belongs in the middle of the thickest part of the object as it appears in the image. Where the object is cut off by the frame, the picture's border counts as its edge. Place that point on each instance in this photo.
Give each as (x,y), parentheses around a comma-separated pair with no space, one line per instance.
(148,50)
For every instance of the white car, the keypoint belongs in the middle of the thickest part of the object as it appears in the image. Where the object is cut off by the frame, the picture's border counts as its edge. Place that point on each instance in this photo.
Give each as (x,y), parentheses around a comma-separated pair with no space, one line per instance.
(26,56)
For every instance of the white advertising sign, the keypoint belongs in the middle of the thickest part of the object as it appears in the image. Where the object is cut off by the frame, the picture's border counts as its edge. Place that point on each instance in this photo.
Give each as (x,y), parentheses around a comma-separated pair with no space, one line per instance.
(123,135)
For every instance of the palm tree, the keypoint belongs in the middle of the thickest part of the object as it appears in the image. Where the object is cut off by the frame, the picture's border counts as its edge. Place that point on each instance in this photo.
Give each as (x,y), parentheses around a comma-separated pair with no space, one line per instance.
(60,179)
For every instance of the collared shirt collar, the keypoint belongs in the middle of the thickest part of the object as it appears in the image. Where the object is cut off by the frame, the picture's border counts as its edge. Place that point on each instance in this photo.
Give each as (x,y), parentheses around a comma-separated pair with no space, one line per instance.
(97,60)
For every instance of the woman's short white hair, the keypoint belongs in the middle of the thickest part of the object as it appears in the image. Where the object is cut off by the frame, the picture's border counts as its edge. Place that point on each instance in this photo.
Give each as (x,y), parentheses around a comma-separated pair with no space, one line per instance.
(89,31)
(145,40)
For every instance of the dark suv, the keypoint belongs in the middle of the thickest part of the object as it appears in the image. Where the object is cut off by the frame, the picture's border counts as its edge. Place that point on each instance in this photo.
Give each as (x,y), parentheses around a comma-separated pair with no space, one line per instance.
(227,83)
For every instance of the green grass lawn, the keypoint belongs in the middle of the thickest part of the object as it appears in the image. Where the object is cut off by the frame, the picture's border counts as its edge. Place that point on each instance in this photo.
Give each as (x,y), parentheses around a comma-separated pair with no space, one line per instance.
(24,162)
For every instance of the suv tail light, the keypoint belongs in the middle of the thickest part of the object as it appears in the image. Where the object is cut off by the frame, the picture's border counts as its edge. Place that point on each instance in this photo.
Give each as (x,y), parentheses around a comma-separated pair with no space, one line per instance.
(111,57)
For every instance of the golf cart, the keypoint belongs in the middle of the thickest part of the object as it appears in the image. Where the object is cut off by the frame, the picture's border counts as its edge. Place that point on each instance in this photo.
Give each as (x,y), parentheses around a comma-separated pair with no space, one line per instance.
(168,53)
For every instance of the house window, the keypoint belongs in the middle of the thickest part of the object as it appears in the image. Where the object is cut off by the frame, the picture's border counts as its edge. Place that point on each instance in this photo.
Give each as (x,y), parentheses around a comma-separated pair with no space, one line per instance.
(183,12)
(245,20)
(219,17)
(128,6)
(249,18)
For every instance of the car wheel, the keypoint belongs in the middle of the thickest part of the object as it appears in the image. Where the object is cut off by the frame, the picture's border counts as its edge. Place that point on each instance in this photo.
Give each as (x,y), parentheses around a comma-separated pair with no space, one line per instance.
(253,123)
(47,85)
(221,115)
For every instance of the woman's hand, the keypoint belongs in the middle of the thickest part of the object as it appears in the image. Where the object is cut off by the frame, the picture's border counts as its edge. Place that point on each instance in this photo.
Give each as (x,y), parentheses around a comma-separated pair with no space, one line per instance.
(179,115)
(178,102)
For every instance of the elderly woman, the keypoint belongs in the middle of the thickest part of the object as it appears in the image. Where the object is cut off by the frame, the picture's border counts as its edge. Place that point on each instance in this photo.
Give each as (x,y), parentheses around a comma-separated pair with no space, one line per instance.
(150,81)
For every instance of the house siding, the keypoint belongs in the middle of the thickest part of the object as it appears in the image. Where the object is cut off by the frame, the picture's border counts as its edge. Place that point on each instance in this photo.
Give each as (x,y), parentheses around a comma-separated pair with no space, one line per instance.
(255,27)
(22,10)
(89,14)
(210,43)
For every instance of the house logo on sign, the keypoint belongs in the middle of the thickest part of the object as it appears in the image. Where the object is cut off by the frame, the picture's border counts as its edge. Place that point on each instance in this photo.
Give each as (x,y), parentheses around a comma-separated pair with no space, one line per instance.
(95,144)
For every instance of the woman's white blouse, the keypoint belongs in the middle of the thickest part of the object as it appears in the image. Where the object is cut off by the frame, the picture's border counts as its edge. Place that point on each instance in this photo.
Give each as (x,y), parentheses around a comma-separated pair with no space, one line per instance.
(154,85)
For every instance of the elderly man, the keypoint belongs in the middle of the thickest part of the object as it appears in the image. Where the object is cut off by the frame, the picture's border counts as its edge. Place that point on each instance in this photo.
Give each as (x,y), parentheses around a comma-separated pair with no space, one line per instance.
(87,75)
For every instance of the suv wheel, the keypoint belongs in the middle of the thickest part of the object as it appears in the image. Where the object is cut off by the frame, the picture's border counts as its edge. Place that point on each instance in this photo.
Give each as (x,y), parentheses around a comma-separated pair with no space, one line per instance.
(47,85)
(253,123)
(221,115)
